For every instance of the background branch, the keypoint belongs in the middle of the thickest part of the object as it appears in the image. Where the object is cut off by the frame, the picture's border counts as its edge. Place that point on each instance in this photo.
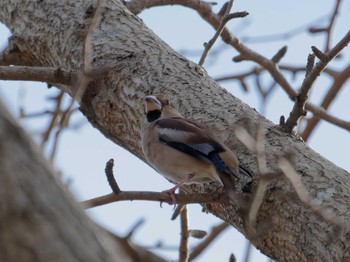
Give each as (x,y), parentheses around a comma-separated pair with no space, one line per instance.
(183,250)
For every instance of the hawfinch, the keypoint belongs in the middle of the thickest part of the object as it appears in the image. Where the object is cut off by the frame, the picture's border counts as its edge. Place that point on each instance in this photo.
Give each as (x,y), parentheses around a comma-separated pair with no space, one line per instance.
(183,151)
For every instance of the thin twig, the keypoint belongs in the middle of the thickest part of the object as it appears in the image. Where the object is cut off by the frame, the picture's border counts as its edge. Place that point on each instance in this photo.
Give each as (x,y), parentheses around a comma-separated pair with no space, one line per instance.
(338,82)
(67,113)
(256,70)
(184,246)
(260,190)
(158,197)
(177,211)
(133,229)
(63,124)
(300,100)
(225,18)
(320,55)
(55,118)
(220,29)
(257,146)
(211,42)
(331,24)
(264,38)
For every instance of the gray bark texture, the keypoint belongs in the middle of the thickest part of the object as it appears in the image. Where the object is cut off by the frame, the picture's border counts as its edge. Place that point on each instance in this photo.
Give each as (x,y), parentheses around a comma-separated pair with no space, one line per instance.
(127,61)
(39,220)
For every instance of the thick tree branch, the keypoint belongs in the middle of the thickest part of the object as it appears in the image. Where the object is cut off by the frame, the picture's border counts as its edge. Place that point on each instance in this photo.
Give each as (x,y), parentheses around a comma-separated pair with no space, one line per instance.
(39,221)
(205,11)
(34,73)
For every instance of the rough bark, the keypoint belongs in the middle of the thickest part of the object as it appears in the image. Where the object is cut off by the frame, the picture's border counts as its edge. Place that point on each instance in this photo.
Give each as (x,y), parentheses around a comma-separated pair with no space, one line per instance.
(131,62)
(39,220)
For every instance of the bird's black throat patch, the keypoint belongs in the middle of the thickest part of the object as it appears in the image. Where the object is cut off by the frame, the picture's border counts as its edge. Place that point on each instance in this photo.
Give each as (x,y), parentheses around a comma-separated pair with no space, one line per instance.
(153,115)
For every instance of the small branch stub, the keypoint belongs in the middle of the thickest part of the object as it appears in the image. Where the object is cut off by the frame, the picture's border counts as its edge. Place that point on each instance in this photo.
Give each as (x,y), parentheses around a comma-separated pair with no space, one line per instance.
(110,177)
(310,64)
(320,55)
(279,55)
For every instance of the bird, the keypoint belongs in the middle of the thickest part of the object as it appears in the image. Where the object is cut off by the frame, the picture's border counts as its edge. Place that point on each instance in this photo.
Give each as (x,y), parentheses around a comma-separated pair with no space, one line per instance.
(183,151)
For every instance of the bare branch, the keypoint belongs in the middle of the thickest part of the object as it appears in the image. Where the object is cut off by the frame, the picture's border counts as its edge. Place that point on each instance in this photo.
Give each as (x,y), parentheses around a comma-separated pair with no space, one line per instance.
(223,9)
(257,70)
(319,112)
(183,250)
(55,118)
(250,213)
(177,211)
(158,197)
(35,73)
(63,124)
(300,100)
(300,29)
(331,24)
(226,17)
(240,76)
(339,79)
(133,229)
(260,190)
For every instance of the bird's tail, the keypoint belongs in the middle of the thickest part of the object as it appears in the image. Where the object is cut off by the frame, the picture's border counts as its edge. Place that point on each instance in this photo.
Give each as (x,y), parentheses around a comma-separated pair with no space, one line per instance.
(229,185)
(244,171)
(220,165)
(227,175)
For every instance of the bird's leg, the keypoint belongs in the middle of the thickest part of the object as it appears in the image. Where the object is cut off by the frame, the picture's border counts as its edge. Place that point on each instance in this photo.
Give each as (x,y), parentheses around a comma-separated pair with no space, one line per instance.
(172,190)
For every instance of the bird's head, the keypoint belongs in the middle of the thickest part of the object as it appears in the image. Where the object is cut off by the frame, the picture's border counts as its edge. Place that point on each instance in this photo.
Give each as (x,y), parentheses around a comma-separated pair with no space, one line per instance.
(157,106)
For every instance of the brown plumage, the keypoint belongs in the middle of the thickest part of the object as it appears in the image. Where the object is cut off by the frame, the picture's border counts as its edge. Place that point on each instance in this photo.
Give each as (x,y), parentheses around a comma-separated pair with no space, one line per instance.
(183,151)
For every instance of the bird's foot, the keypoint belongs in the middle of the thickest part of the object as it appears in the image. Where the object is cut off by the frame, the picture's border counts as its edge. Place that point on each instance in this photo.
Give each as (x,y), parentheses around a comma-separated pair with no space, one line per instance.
(172,190)
(172,194)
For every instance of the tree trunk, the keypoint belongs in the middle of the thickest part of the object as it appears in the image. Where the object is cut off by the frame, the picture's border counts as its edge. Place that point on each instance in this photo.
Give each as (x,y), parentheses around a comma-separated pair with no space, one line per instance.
(128,61)
(39,221)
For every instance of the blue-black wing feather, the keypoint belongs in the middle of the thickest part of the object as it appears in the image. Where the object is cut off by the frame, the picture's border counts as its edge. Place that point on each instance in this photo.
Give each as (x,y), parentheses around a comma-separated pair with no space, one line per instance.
(190,139)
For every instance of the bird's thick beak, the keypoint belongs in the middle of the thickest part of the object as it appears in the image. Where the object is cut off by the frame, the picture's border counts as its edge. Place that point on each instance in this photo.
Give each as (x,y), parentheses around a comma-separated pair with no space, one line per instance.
(152,104)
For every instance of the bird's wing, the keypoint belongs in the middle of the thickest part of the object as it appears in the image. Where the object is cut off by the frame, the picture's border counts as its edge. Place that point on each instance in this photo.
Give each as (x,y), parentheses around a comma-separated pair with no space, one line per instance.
(190,138)
(187,136)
